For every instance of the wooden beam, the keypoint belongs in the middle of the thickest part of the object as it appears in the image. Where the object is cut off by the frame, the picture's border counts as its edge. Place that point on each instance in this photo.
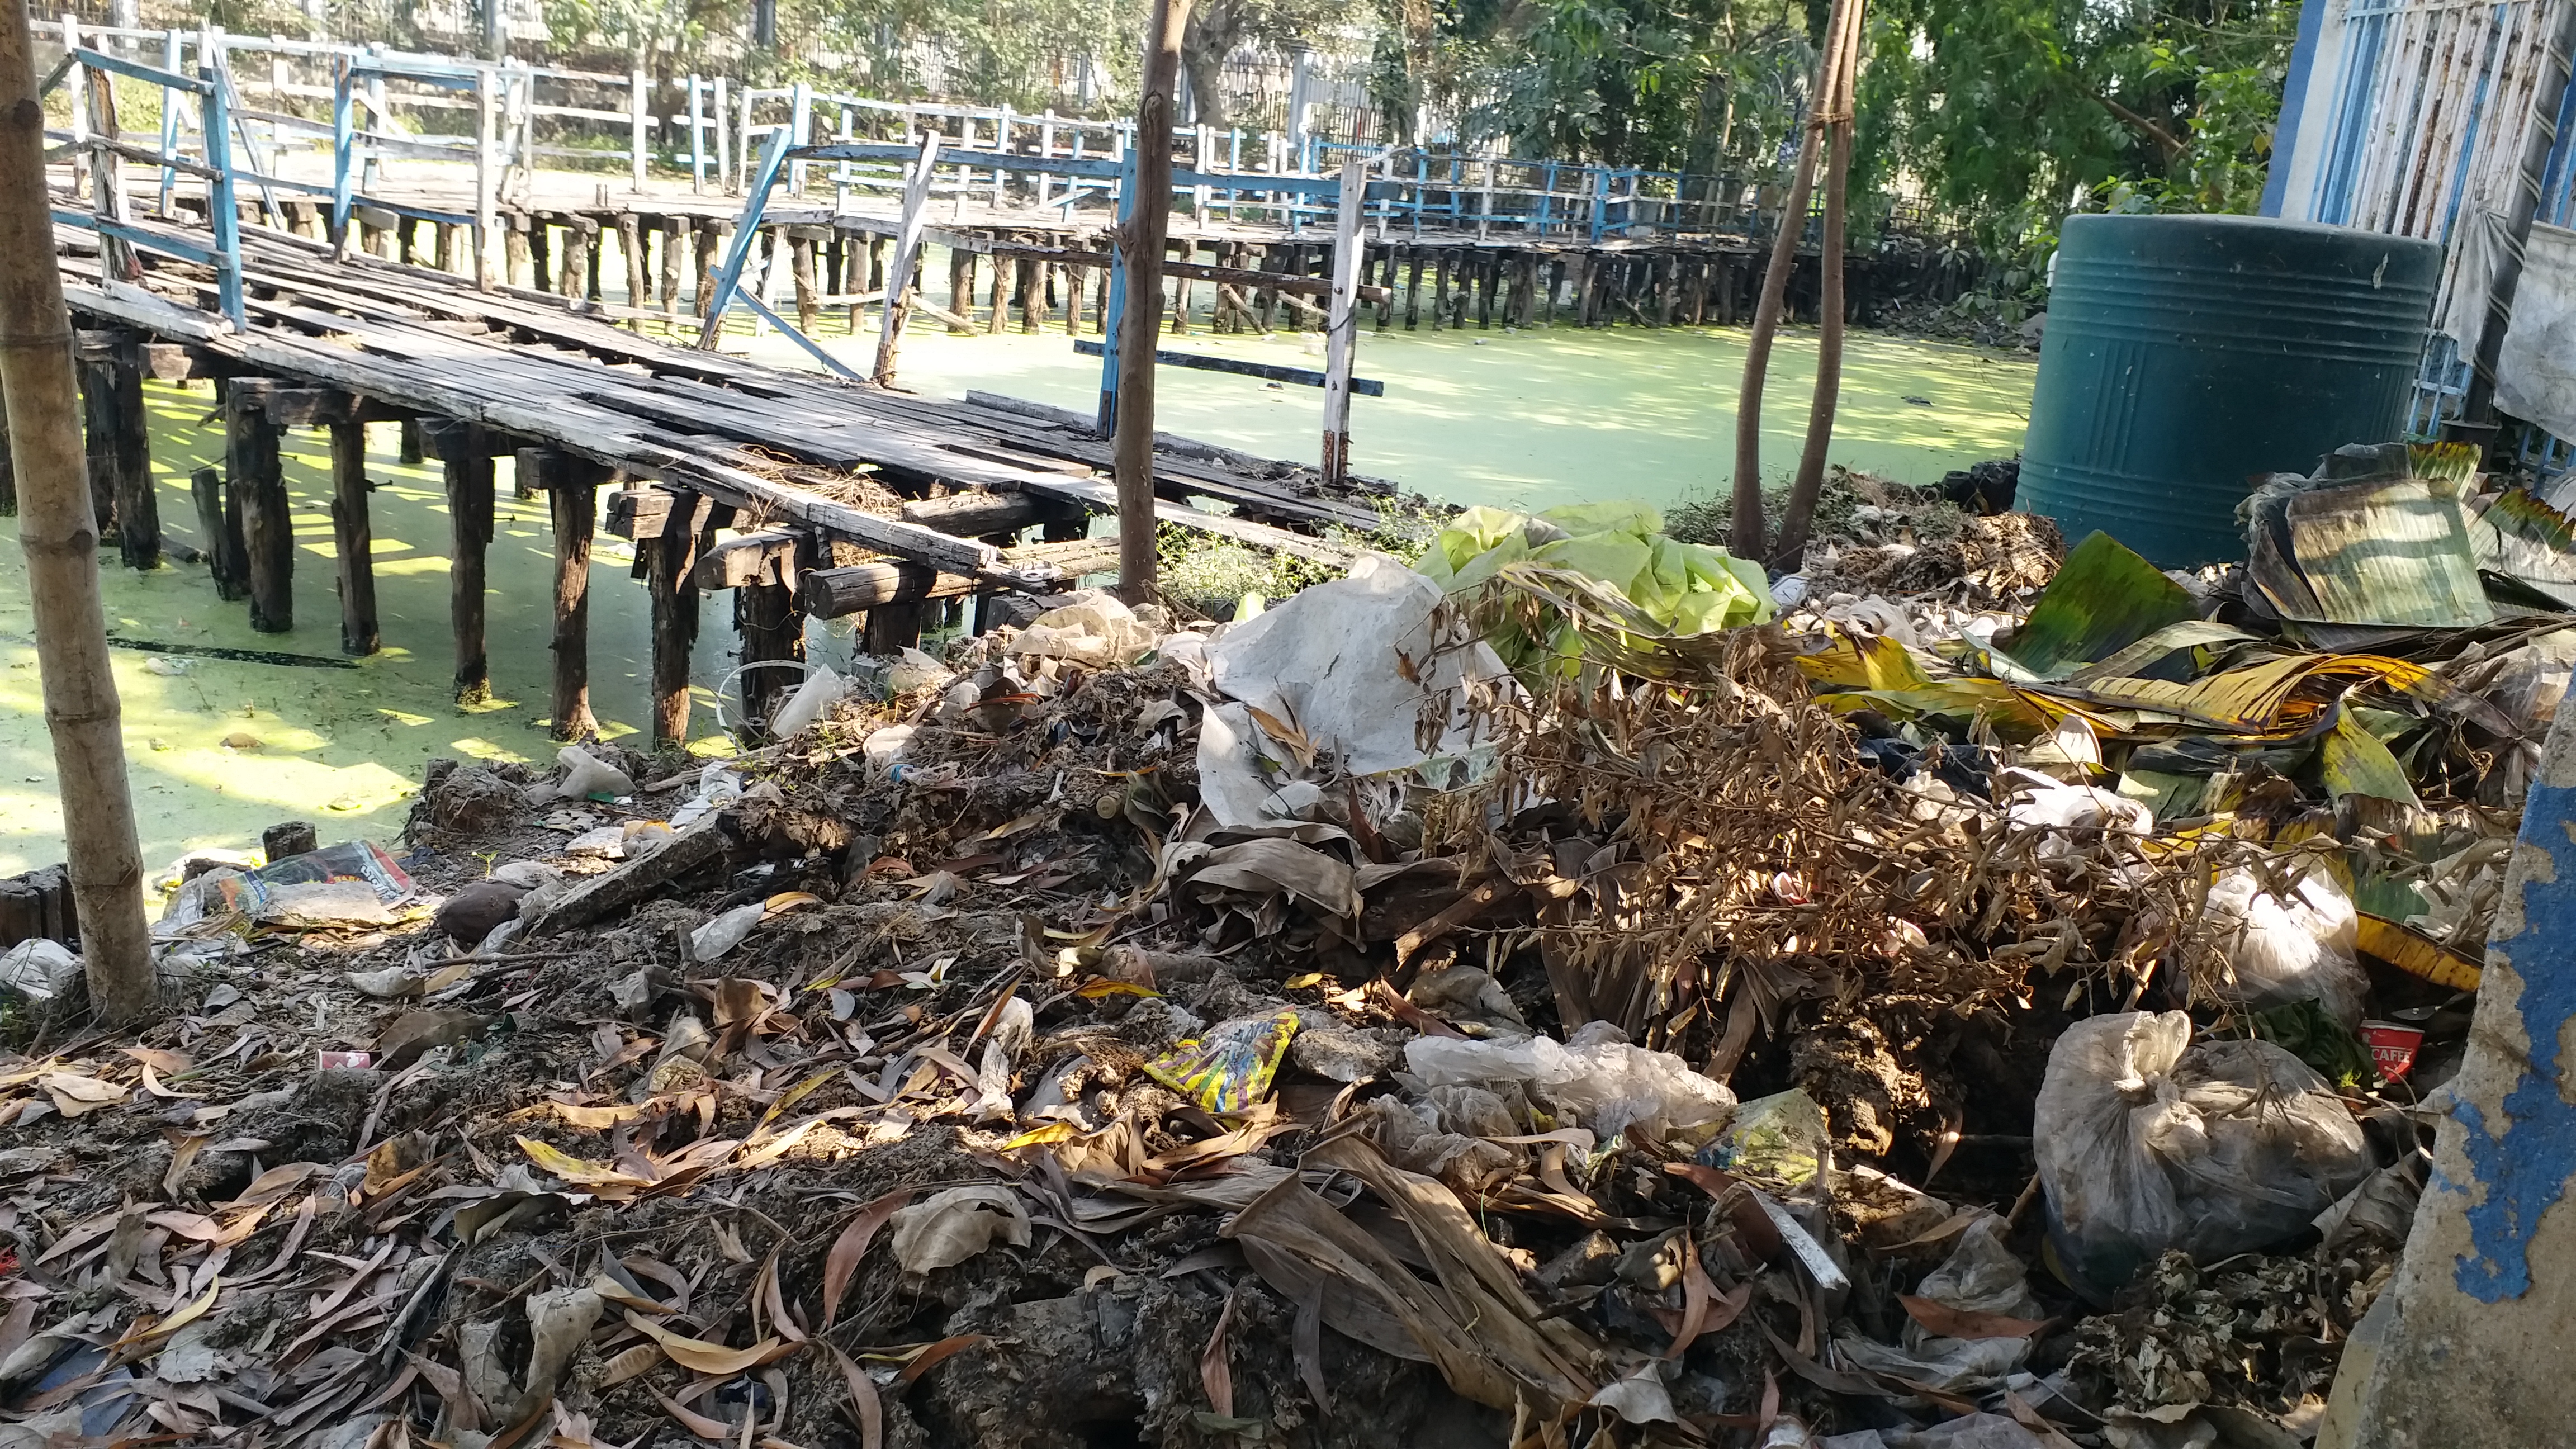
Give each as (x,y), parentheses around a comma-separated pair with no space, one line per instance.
(638,514)
(258,485)
(466,452)
(353,538)
(859,588)
(755,559)
(322,407)
(977,514)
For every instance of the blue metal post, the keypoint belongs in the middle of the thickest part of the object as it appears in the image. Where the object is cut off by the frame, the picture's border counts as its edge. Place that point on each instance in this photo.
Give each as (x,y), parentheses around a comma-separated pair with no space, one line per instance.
(746,234)
(221,211)
(1108,412)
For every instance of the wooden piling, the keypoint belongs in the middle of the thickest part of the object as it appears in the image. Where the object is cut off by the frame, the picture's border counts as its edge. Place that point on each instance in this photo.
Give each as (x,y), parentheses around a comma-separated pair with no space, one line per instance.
(465,450)
(668,558)
(1440,289)
(1413,292)
(572,495)
(800,265)
(98,439)
(1033,307)
(574,281)
(221,528)
(353,538)
(630,244)
(961,288)
(8,472)
(591,290)
(709,238)
(259,484)
(523,253)
(678,242)
(771,625)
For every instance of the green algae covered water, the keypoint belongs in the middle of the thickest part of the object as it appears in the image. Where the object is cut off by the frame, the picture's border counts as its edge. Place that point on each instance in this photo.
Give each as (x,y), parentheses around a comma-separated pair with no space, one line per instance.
(219,748)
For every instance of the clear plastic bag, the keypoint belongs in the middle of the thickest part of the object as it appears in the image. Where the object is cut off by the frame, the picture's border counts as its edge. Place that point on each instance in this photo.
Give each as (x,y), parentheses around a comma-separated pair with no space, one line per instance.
(588,777)
(1599,1080)
(2148,1142)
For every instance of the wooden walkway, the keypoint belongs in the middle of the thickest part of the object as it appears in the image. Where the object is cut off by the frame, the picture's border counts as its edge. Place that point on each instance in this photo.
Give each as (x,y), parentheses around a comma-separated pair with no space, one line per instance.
(843,498)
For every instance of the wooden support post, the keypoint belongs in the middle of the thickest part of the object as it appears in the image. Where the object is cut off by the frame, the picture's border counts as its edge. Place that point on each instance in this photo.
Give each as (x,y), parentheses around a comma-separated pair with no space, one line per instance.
(1001,300)
(668,559)
(98,440)
(268,533)
(710,239)
(1440,291)
(1341,326)
(532,247)
(891,629)
(1033,306)
(221,529)
(907,256)
(1387,283)
(801,269)
(1147,226)
(1413,292)
(591,290)
(961,287)
(1073,279)
(1181,291)
(353,538)
(83,716)
(463,448)
(771,626)
(1488,271)
(574,283)
(572,492)
(630,244)
(8,472)
(138,506)
(677,242)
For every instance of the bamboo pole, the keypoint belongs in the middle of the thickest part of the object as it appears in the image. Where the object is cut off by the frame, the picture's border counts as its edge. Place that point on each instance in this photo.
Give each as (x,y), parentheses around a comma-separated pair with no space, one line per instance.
(1141,252)
(1751,533)
(1836,115)
(61,541)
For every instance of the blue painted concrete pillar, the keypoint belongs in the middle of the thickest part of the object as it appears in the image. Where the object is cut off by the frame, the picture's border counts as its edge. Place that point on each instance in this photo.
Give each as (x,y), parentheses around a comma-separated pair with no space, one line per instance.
(2485,1306)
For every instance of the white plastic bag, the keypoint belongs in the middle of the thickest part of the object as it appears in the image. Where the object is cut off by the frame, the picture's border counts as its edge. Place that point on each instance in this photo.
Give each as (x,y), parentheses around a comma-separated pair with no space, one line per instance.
(1095,629)
(725,932)
(818,693)
(915,670)
(588,777)
(2148,1142)
(2292,943)
(1981,1275)
(884,748)
(1600,1081)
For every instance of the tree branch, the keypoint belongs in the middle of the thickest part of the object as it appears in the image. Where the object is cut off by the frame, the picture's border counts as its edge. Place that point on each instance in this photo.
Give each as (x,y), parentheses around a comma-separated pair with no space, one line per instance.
(2163,138)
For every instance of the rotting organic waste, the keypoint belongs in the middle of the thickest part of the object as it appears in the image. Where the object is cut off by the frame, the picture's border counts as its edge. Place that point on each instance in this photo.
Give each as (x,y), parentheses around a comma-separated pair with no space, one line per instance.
(1323,1029)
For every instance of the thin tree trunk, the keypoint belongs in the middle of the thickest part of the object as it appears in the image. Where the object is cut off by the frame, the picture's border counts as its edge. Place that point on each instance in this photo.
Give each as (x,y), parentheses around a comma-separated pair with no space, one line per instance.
(1141,252)
(1751,530)
(1800,511)
(60,537)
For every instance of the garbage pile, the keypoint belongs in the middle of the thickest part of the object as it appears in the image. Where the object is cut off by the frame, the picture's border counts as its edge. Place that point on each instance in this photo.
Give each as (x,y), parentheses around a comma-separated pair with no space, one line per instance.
(1551,998)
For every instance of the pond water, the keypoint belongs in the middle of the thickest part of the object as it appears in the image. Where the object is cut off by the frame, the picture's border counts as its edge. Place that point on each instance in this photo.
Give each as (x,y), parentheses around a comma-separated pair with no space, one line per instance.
(1522,420)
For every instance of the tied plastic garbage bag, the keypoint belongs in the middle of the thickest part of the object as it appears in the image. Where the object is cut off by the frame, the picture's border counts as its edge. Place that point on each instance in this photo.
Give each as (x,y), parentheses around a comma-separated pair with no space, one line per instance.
(1779,1139)
(2148,1142)
(1598,1079)
(38,970)
(2292,942)
(1230,1067)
